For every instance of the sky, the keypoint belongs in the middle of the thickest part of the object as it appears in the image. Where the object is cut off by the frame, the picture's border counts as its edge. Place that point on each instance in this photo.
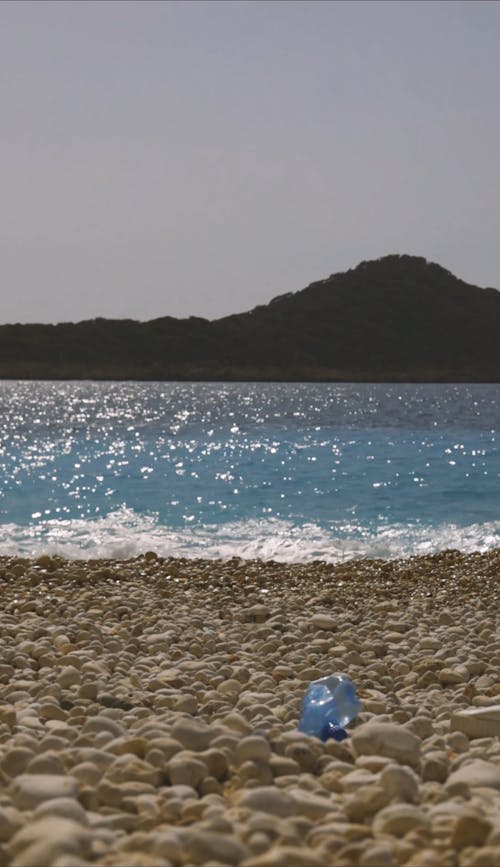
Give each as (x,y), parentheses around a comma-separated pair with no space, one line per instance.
(200,158)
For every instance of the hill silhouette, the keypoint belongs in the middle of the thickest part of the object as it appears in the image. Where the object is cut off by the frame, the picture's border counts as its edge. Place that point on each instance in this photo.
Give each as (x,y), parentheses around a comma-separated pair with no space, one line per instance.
(398,318)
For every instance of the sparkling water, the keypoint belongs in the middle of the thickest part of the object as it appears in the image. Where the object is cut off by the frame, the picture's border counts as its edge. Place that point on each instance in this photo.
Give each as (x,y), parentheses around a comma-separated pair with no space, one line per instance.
(284,471)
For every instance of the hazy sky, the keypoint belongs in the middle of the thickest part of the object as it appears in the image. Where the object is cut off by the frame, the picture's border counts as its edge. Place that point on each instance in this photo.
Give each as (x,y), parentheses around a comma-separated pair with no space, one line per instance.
(198,158)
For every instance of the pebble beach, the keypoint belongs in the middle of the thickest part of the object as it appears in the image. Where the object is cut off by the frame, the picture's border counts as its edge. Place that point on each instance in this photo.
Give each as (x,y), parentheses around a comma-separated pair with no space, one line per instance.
(149,711)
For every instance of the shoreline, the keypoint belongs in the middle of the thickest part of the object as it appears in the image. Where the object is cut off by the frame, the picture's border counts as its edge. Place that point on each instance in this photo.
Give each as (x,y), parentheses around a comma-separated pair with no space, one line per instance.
(401,573)
(86,376)
(149,707)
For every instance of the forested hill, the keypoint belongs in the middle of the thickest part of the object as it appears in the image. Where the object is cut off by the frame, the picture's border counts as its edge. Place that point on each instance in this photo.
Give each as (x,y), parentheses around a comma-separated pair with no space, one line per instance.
(399,318)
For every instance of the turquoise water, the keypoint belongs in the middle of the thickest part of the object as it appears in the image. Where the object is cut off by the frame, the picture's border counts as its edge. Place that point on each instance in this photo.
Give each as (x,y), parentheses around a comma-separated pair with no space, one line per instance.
(285,471)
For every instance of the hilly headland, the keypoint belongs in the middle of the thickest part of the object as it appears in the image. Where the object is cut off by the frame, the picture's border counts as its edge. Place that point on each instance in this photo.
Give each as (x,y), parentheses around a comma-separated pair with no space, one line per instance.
(398,318)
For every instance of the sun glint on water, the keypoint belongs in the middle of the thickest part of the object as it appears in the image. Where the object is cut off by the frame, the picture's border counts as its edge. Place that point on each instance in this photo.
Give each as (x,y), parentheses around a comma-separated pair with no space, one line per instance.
(283,471)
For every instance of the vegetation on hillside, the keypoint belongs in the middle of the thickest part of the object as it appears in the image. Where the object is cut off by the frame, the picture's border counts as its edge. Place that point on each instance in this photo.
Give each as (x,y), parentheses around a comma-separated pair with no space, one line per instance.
(398,318)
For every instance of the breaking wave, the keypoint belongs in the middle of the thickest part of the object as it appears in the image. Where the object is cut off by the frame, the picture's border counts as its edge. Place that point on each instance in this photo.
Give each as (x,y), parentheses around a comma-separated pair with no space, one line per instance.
(124,534)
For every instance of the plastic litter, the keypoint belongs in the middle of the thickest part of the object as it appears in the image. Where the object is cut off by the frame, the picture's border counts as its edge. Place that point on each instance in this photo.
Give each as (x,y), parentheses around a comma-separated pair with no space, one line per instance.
(329,704)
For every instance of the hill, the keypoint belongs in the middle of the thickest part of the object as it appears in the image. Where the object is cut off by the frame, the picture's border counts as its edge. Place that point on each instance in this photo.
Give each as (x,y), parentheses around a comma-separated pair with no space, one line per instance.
(398,318)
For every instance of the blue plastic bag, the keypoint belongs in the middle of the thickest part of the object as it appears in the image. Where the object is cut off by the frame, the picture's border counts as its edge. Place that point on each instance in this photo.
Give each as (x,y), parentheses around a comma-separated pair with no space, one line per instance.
(329,704)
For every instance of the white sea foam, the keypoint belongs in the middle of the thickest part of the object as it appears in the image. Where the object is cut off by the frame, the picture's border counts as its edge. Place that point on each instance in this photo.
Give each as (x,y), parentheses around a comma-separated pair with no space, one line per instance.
(124,534)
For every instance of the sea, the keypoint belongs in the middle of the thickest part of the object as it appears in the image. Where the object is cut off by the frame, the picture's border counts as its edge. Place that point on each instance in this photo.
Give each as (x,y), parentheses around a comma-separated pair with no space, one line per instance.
(294,472)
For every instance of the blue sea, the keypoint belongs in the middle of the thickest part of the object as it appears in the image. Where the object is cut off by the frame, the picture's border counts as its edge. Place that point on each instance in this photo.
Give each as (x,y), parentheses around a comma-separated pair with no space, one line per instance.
(291,472)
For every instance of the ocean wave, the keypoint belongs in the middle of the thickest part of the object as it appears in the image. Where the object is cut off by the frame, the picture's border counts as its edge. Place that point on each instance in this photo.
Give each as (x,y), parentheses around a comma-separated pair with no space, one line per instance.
(124,533)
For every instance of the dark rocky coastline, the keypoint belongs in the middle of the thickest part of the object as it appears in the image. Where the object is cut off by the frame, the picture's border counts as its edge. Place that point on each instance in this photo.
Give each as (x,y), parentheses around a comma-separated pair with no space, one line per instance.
(396,319)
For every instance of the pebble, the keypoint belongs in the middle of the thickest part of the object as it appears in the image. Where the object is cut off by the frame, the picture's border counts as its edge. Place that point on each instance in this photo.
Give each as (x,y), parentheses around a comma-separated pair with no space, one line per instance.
(387,739)
(399,819)
(400,782)
(46,763)
(285,856)
(15,760)
(48,839)
(95,725)
(129,768)
(435,766)
(309,804)
(184,769)
(68,808)
(470,830)
(253,748)
(192,734)
(69,676)
(476,773)
(378,855)
(10,822)
(8,715)
(453,676)
(268,799)
(324,621)
(169,844)
(477,721)
(283,766)
(486,856)
(256,614)
(203,846)
(29,790)
(366,801)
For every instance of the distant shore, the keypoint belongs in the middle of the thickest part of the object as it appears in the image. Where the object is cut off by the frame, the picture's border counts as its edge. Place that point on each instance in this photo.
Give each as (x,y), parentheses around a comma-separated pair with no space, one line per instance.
(148,712)
(395,319)
(81,373)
